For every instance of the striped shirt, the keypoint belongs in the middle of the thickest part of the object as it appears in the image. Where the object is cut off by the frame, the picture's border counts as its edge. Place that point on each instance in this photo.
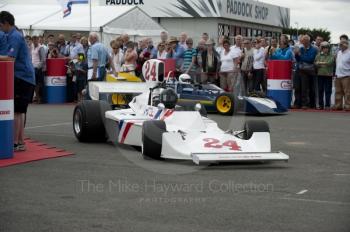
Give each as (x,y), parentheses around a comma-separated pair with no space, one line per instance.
(189,53)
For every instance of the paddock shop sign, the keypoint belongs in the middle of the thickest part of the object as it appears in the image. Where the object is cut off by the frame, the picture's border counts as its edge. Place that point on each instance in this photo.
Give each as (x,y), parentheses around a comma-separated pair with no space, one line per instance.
(246,10)
(243,10)
(125,2)
(256,12)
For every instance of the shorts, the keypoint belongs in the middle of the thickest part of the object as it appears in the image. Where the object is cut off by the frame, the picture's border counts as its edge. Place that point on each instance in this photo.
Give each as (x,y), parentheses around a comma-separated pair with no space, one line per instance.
(22,95)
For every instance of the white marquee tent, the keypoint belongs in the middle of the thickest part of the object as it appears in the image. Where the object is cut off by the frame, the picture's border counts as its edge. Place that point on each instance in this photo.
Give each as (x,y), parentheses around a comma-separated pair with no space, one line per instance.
(108,21)
(27,15)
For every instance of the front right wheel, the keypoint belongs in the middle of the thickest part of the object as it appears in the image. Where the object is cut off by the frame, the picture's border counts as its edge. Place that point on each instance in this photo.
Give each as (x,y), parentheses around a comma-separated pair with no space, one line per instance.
(252,126)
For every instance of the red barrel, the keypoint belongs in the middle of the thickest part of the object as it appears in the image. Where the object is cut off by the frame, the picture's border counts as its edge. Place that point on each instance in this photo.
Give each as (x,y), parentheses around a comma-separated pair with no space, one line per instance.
(169,66)
(6,109)
(279,81)
(55,90)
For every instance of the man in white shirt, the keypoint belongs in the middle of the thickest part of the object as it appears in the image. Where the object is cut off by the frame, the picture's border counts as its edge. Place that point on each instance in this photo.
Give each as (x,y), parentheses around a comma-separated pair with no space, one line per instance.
(237,48)
(182,40)
(38,60)
(342,73)
(259,67)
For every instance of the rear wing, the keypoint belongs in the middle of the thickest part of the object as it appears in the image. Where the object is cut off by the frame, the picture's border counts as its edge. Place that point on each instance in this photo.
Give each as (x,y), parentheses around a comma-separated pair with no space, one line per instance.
(96,88)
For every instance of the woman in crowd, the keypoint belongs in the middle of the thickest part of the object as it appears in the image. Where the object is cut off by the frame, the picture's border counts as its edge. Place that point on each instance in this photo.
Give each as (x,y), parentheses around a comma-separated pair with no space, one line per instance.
(324,62)
(199,61)
(80,70)
(259,67)
(270,50)
(117,55)
(247,66)
(53,51)
(229,62)
(85,42)
(161,54)
(220,47)
(284,52)
(130,58)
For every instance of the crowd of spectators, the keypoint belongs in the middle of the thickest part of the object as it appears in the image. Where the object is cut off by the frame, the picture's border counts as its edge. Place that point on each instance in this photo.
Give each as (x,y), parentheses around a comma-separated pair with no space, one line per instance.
(236,65)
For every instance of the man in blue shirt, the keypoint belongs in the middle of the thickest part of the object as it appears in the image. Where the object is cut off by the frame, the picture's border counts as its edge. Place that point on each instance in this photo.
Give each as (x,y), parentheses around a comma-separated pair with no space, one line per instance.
(23,74)
(98,58)
(284,52)
(76,47)
(305,86)
(175,51)
(3,43)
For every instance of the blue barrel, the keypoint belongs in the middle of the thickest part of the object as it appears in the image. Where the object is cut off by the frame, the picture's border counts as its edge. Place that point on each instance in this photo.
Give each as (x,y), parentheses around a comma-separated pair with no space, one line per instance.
(6,109)
(279,82)
(55,89)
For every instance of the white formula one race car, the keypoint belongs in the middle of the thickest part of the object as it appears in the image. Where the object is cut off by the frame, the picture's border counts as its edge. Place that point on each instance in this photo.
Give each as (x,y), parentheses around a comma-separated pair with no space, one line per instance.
(164,129)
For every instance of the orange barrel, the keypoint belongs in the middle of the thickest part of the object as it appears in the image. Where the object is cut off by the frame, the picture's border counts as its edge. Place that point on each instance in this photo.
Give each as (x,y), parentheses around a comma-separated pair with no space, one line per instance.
(6,109)
(55,86)
(279,81)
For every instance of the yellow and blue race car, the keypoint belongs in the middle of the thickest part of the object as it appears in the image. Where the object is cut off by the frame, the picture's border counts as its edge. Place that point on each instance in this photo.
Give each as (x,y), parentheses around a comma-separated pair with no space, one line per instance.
(213,98)
(216,100)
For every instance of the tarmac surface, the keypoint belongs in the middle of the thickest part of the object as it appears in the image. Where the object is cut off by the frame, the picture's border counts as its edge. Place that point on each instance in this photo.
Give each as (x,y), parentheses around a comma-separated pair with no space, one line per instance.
(108,188)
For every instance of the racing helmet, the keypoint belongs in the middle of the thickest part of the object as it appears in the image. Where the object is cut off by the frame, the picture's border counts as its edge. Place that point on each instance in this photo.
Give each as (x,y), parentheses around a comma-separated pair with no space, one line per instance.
(185,78)
(169,98)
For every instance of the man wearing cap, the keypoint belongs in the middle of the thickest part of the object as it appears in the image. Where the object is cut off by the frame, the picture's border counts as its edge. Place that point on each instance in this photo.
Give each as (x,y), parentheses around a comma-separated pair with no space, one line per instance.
(75,47)
(175,51)
(342,73)
(324,62)
(305,86)
(23,73)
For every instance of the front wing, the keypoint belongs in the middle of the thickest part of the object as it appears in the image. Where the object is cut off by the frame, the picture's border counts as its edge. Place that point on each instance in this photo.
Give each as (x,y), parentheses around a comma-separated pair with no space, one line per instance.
(202,158)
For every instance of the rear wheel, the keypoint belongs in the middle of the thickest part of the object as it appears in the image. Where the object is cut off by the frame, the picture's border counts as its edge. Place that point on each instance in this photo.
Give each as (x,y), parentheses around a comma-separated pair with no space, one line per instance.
(88,121)
(152,132)
(224,104)
(254,126)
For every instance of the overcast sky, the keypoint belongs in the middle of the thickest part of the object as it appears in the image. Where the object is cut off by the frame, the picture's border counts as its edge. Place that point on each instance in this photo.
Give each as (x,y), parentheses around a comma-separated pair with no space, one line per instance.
(333,15)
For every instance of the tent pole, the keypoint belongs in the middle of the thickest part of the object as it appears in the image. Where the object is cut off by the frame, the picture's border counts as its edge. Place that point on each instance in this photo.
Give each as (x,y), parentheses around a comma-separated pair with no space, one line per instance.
(90,15)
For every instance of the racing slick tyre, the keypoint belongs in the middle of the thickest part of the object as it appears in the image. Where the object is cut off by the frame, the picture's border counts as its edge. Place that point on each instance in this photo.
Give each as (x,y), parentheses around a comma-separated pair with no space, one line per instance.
(88,121)
(225,104)
(254,126)
(152,138)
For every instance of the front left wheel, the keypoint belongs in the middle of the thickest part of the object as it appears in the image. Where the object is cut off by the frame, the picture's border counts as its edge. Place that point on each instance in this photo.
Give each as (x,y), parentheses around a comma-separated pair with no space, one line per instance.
(152,132)
(88,121)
